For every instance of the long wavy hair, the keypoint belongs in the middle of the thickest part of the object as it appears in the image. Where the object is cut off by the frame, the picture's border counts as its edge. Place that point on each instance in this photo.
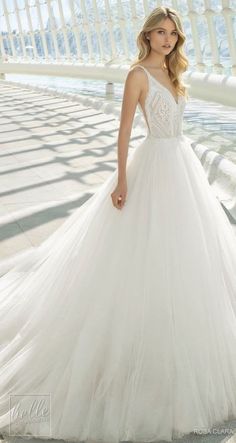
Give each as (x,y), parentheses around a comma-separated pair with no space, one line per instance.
(176,61)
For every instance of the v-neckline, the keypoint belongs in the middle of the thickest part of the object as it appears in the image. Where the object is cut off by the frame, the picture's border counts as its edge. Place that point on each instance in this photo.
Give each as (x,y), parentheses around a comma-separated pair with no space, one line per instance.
(164,87)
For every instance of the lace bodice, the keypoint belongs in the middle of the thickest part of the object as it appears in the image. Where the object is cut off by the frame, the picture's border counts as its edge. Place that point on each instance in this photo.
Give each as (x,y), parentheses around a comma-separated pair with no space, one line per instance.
(164,115)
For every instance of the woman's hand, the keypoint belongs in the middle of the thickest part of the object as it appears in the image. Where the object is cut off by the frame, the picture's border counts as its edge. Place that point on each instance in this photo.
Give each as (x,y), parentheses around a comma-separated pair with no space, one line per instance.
(119,194)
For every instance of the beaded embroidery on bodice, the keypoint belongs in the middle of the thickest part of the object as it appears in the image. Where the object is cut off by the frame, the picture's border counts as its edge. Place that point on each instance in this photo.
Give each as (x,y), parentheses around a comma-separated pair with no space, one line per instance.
(163,115)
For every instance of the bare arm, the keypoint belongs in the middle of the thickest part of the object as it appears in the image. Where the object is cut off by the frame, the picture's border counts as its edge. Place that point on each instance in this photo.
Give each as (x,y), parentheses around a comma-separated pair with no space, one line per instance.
(132,92)
(134,87)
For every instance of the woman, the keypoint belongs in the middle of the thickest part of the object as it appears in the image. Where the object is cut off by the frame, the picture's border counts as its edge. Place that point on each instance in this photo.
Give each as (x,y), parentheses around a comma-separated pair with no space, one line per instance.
(127,319)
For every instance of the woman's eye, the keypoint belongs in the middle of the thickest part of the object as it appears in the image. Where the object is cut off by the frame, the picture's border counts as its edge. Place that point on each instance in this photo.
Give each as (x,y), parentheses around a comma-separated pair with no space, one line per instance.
(174,32)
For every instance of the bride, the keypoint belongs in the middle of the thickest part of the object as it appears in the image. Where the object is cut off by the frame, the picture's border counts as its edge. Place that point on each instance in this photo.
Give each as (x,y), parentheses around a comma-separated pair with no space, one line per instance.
(122,324)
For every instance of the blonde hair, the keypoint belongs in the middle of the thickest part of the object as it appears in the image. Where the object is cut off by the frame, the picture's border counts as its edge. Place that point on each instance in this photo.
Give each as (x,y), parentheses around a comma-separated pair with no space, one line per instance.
(176,62)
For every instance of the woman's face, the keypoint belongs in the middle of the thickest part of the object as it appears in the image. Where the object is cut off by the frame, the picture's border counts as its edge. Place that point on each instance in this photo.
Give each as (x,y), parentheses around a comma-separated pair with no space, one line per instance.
(163,36)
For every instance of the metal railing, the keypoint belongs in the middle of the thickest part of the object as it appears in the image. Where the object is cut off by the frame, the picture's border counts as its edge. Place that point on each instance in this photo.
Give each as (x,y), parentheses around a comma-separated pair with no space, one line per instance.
(104,31)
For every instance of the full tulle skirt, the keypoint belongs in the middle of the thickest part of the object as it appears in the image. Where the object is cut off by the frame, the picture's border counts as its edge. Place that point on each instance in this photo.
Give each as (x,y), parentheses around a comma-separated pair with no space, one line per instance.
(127,318)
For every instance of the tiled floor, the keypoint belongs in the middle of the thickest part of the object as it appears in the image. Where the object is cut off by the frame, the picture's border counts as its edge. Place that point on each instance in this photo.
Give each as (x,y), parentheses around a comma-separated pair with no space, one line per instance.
(53,155)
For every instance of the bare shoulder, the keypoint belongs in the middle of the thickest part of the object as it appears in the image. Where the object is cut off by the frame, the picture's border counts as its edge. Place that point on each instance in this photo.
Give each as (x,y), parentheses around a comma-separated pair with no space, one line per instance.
(137,76)
(136,82)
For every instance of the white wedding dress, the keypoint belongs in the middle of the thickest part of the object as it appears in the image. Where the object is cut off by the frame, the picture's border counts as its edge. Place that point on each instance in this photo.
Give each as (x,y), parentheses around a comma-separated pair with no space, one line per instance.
(127,318)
